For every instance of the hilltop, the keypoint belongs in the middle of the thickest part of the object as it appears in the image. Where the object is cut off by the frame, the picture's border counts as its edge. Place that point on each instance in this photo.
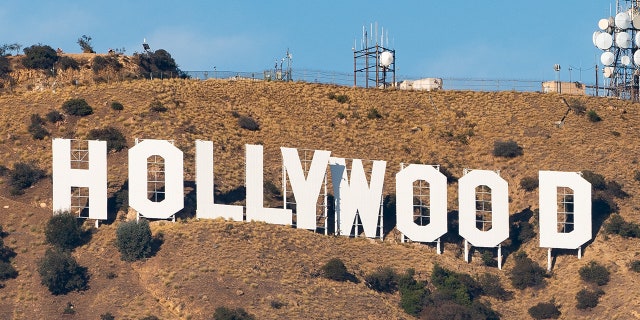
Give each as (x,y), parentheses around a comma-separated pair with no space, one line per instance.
(205,264)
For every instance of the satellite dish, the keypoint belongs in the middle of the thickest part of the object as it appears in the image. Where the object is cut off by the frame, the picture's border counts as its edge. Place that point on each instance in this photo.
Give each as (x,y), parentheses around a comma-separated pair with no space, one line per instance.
(603,24)
(386,59)
(608,72)
(636,58)
(637,39)
(607,58)
(626,60)
(595,36)
(604,41)
(623,20)
(623,40)
(636,21)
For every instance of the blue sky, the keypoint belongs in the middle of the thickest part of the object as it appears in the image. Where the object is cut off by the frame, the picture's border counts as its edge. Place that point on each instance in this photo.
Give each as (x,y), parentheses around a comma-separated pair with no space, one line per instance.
(494,39)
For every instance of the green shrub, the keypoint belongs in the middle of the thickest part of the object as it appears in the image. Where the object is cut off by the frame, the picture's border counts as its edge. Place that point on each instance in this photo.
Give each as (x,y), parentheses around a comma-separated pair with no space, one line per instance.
(529,183)
(593,116)
(507,149)
(54,116)
(61,273)
(23,176)
(65,63)
(77,107)
(117,106)
(7,271)
(37,131)
(41,57)
(107,316)
(526,272)
(157,106)
(373,114)
(134,240)
(487,259)
(594,273)
(587,299)
(224,313)
(341,115)
(159,61)
(577,106)
(413,293)
(100,63)
(335,269)
(545,310)
(382,280)
(64,231)
(459,287)
(342,98)
(5,66)
(246,122)
(115,139)
(635,265)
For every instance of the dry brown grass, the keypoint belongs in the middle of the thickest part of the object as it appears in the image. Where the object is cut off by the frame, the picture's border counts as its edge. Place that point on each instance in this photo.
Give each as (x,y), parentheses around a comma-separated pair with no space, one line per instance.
(205,264)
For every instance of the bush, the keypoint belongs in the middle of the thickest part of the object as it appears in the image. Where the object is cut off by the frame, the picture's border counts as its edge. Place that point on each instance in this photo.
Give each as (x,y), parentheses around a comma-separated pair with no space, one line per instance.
(593,116)
(597,180)
(77,107)
(39,57)
(65,63)
(491,286)
(117,106)
(134,240)
(63,231)
(529,183)
(458,287)
(413,294)
(7,271)
(61,273)
(335,269)
(107,316)
(246,122)
(594,273)
(224,313)
(37,131)
(159,61)
(54,116)
(617,225)
(373,114)
(23,176)
(115,139)
(487,259)
(507,149)
(100,63)
(526,272)
(587,298)
(382,280)
(157,106)
(340,98)
(545,310)
(5,66)
(635,265)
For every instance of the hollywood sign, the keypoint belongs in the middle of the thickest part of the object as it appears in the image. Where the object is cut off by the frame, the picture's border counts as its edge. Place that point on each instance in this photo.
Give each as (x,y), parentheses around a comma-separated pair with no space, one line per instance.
(354,195)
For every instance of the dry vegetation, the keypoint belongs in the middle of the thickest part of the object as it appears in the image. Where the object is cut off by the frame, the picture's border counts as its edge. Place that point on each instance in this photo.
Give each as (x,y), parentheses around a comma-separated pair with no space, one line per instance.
(205,264)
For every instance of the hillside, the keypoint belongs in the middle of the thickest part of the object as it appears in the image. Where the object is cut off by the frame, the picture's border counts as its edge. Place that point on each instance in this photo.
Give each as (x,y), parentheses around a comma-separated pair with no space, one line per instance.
(205,264)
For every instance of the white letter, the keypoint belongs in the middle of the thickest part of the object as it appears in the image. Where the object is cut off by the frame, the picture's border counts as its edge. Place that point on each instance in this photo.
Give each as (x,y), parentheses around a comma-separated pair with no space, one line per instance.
(549,182)
(255,191)
(207,209)
(499,208)
(305,190)
(353,195)
(94,178)
(174,180)
(437,199)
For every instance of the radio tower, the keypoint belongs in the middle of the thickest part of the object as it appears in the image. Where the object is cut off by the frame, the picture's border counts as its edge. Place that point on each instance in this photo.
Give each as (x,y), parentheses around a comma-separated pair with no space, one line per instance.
(619,39)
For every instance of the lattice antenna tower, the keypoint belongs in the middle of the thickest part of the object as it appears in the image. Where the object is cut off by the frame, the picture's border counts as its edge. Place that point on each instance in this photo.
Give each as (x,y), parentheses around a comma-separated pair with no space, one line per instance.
(619,39)
(374,60)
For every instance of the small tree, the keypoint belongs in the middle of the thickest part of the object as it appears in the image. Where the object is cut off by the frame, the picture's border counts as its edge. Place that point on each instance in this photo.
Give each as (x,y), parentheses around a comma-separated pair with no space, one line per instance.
(39,57)
(77,107)
(61,273)
(526,272)
(335,269)
(507,149)
(383,280)
(246,122)
(134,240)
(85,44)
(545,310)
(63,231)
(115,139)
(587,298)
(23,176)
(529,183)
(224,313)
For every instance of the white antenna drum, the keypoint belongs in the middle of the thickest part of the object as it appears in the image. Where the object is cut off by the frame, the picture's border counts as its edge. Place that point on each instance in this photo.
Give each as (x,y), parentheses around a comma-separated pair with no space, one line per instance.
(623,20)
(603,24)
(595,37)
(608,72)
(607,58)
(386,59)
(623,40)
(625,60)
(604,41)
(636,58)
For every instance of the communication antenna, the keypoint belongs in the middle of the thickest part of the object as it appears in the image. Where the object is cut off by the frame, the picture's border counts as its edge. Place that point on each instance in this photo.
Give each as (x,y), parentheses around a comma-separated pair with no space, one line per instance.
(374,60)
(145,45)
(619,39)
